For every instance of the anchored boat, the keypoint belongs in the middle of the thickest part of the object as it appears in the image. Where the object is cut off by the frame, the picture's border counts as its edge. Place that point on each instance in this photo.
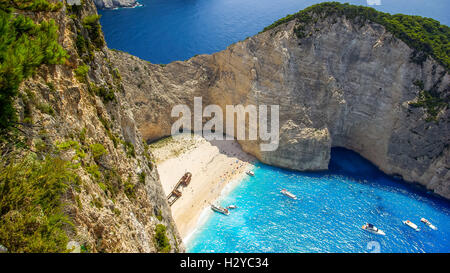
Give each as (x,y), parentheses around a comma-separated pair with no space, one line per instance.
(288,194)
(232,207)
(219,209)
(411,225)
(250,173)
(372,229)
(426,222)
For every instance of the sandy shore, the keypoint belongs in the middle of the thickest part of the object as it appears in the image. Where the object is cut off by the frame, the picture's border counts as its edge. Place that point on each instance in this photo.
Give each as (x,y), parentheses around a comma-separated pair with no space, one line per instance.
(213,165)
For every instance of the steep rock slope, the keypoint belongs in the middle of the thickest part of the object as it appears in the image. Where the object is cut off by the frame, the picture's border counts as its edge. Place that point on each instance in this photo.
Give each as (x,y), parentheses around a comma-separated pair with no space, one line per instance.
(76,111)
(339,83)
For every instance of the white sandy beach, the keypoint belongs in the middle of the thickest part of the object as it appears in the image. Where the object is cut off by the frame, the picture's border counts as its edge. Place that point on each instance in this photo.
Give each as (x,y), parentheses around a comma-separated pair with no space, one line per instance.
(213,165)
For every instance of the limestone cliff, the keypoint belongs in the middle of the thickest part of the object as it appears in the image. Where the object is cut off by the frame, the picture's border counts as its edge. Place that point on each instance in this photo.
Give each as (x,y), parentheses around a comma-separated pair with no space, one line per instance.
(342,83)
(338,82)
(77,111)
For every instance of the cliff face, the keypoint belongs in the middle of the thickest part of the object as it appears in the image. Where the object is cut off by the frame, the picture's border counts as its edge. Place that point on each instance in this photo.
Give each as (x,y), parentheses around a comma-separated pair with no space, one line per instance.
(341,85)
(120,204)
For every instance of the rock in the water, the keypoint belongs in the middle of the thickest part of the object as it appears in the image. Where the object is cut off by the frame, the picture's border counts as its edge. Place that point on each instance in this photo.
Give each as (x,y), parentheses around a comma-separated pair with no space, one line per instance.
(111,4)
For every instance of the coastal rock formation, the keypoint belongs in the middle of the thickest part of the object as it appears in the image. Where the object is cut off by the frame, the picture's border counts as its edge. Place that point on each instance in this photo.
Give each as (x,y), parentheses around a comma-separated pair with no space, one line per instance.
(340,83)
(76,111)
(123,217)
(112,4)
(313,144)
(343,84)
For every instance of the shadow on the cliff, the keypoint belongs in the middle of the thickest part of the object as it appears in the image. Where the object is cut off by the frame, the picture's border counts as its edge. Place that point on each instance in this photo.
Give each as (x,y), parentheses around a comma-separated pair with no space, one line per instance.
(345,162)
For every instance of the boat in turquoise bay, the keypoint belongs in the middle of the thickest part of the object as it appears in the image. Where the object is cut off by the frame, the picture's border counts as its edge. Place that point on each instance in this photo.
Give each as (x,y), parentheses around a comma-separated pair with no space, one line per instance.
(288,194)
(350,194)
(250,173)
(426,222)
(219,209)
(372,229)
(411,225)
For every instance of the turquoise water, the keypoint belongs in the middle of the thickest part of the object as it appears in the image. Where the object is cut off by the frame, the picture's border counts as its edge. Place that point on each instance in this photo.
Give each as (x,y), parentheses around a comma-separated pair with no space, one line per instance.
(167,30)
(328,215)
(332,205)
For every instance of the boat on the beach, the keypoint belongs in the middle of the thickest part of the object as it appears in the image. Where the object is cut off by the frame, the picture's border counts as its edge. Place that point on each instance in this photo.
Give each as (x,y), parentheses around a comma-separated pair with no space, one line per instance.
(411,225)
(232,207)
(186,179)
(219,209)
(176,193)
(250,173)
(426,222)
(372,229)
(288,194)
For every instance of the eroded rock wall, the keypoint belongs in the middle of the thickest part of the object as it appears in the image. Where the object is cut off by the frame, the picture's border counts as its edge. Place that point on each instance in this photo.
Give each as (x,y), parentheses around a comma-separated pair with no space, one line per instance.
(120,200)
(344,84)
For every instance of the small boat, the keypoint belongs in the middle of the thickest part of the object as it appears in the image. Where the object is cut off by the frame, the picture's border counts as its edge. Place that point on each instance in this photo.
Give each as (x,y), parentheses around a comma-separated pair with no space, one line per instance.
(232,207)
(426,222)
(288,194)
(219,209)
(411,225)
(372,229)
(250,173)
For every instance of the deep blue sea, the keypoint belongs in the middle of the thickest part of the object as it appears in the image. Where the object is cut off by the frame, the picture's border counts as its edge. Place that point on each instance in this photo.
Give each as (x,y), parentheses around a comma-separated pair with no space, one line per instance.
(328,214)
(163,31)
(332,205)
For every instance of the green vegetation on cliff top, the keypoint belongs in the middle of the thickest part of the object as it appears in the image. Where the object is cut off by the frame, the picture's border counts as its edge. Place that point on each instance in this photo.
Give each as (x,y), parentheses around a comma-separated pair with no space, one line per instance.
(32,5)
(426,36)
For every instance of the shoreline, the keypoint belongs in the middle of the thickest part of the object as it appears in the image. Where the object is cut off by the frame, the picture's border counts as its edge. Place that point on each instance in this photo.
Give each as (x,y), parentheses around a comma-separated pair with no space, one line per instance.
(207,212)
(217,167)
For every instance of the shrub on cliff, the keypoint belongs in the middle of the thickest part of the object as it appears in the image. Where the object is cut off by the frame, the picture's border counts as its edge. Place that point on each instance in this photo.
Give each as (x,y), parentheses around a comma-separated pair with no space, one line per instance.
(98,150)
(81,72)
(31,209)
(92,25)
(130,189)
(24,45)
(106,93)
(162,242)
(129,148)
(431,103)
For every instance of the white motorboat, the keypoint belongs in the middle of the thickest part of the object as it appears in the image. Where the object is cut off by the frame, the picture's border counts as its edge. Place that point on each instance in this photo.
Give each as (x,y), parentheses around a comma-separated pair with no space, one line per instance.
(426,222)
(372,229)
(232,207)
(250,173)
(219,209)
(411,225)
(288,194)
